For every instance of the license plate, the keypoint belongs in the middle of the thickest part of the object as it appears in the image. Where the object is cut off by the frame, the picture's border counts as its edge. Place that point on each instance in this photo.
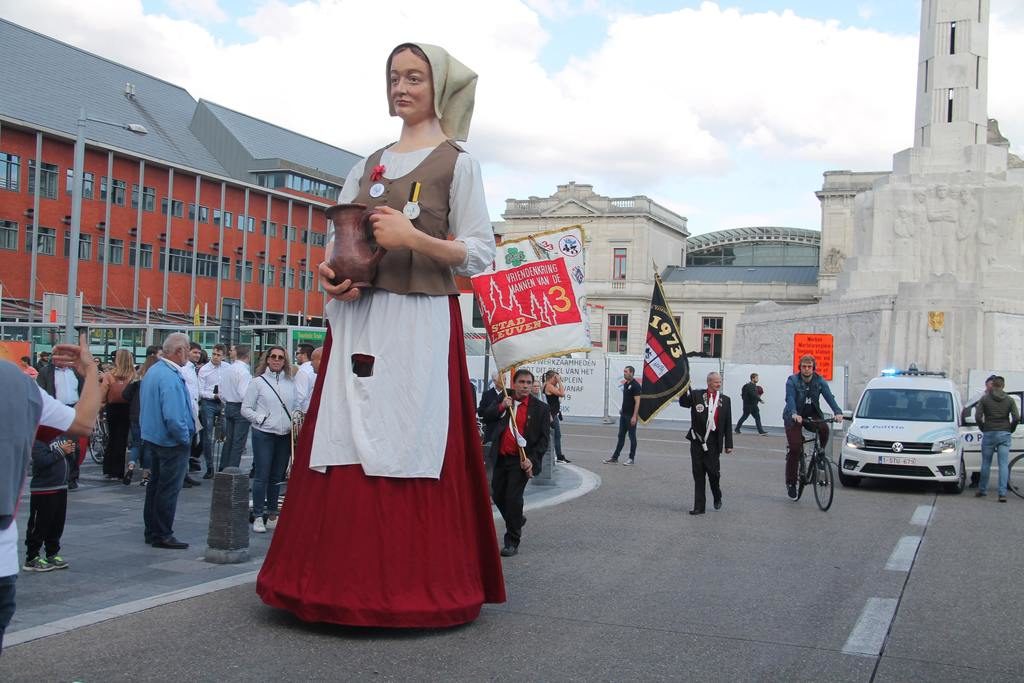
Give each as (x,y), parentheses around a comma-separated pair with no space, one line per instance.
(893,460)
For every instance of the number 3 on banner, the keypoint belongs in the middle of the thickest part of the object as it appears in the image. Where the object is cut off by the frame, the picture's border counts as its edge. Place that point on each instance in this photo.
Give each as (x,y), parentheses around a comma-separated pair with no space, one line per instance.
(563,302)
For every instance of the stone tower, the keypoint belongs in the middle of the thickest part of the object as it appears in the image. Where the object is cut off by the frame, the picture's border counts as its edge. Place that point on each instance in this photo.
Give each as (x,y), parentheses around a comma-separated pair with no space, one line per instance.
(934,274)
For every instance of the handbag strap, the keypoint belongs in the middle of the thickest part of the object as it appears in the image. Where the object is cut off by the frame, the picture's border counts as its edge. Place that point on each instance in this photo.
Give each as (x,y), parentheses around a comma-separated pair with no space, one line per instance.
(287,412)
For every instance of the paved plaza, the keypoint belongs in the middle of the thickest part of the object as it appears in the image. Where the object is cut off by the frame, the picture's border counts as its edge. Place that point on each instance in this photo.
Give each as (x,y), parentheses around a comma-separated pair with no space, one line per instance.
(614,581)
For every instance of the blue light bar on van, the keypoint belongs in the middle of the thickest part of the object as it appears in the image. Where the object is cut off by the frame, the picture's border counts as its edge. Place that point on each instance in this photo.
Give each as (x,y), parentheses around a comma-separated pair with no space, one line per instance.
(890,372)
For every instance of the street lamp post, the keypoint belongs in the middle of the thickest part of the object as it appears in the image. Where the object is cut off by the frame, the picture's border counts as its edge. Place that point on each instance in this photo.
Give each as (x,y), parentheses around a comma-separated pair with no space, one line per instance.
(77,176)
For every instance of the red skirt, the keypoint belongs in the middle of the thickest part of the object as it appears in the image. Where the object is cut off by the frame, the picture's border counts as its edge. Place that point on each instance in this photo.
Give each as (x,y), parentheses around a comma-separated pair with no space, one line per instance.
(379,551)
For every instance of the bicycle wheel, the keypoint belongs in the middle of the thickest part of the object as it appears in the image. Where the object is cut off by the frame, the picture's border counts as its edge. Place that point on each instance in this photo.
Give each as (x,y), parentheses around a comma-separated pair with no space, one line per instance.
(802,477)
(1017,486)
(824,486)
(98,441)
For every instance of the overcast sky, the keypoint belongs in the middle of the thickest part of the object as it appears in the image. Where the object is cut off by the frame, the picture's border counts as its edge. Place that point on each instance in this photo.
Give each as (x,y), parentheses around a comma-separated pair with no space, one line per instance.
(726,112)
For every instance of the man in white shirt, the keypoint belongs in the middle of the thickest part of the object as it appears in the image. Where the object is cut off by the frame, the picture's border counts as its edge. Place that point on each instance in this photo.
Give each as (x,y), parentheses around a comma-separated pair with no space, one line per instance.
(305,376)
(211,378)
(24,408)
(236,428)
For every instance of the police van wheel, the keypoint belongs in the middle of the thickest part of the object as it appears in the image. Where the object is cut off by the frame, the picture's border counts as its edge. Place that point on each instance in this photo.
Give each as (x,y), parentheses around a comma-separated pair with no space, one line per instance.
(960,484)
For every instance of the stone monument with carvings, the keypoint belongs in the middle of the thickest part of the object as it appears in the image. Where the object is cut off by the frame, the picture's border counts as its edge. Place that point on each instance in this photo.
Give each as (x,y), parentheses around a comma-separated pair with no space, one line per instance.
(931,270)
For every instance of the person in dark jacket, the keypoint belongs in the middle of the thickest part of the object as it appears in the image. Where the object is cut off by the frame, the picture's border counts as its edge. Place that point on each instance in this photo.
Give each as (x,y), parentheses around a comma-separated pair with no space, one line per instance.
(488,401)
(751,395)
(527,436)
(48,503)
(65,385)
(998,416)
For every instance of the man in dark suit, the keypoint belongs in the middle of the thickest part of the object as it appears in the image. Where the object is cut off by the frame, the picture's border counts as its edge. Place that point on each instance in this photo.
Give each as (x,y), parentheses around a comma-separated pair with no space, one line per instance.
(488,401)
(528,437)
(710,433)
(751,396)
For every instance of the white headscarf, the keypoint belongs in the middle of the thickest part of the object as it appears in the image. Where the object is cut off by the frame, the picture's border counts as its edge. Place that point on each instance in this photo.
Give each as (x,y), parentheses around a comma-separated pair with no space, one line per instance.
(454,90)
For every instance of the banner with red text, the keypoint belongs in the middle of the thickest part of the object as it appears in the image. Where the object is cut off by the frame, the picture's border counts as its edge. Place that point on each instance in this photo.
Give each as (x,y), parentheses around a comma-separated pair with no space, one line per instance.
(531,312)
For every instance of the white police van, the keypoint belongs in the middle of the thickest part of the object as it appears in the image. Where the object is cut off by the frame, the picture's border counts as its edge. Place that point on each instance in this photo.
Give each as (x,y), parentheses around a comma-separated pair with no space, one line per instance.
(906,426)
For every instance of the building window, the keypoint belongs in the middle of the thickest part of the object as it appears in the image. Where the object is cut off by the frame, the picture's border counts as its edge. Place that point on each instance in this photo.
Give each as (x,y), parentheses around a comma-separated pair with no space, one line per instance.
(47,179)
(88,183)
(204,213)
(180,260)
(148,197)
(217,216)
(10,171)
(9,235)
(268,228)
(177,208)
(317,239)
(119,191)
(145,255)
(306,280)
(207,265)
(287,278)
(711,336)
(250,224)
(619,263)
(266,274)
(47,243)
(618,329)
(289,232)
(299,184)
(115,252)
(248,270)
(84,245)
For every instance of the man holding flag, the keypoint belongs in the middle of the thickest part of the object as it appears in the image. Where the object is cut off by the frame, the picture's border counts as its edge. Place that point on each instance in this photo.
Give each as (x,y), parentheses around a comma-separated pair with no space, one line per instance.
(710,433)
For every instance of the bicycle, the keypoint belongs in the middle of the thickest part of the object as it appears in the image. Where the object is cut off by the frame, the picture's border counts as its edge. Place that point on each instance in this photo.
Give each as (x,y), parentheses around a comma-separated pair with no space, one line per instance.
(820,475)
(1016,486)
(99,438)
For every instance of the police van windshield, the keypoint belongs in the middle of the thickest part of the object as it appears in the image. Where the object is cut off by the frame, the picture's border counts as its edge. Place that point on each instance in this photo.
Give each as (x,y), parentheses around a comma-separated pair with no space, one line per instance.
(913,405)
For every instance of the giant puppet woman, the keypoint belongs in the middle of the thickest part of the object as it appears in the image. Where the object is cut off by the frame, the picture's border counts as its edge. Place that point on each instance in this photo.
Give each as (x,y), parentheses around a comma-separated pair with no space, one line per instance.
(387,520)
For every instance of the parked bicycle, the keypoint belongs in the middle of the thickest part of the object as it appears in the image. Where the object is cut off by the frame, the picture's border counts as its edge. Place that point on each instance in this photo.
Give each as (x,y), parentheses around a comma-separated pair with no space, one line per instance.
(816,468)
(99,438)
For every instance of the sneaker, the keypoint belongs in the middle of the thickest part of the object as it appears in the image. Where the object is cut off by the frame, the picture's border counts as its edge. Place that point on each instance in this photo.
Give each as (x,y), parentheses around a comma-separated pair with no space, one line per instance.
(1002,499)
(628,462)
(611,461)
(57,562)
(980,494)
(763,433)
(37,564)
(738,431)
(791,491)
(258,526)
(271,523)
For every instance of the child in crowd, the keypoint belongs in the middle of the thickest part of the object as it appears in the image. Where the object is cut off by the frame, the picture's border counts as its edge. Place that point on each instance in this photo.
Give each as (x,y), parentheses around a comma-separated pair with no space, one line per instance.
(48,503)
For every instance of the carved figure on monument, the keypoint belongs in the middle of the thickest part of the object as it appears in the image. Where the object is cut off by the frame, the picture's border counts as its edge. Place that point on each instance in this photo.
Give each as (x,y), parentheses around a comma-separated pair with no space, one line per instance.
(833,261)
(924,238)
(965,230)
(988,238)
(943,215)
(905,248)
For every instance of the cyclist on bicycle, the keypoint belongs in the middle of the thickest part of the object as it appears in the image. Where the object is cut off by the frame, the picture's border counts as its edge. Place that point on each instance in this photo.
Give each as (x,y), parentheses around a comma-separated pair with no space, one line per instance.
(803,390)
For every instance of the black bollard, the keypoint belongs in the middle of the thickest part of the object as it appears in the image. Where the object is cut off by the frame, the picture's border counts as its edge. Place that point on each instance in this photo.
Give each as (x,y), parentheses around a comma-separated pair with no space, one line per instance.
(228,541)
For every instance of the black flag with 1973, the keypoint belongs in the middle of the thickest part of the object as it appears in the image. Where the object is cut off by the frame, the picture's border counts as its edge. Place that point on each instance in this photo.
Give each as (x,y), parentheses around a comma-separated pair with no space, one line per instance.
(666,372)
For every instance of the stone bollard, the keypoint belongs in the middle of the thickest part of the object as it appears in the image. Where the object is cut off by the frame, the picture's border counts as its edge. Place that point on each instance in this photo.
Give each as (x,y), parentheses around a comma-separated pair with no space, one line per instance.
(228,541)
(547,466)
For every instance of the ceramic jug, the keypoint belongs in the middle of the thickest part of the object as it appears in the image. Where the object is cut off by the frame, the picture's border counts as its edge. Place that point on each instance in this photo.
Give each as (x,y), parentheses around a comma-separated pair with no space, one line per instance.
(354,255)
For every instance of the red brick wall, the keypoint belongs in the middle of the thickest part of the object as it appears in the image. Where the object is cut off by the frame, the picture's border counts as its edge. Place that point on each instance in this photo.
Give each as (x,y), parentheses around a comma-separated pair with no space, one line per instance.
(51,274)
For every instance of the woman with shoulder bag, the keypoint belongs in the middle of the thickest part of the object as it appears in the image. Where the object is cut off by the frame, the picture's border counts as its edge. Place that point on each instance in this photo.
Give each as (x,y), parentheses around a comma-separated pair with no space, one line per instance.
(115,381)
(268,405)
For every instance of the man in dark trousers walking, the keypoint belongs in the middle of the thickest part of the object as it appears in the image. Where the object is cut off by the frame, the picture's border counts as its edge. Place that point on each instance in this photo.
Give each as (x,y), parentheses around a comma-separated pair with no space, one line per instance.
(528,434)
(751,395)
(710,433)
